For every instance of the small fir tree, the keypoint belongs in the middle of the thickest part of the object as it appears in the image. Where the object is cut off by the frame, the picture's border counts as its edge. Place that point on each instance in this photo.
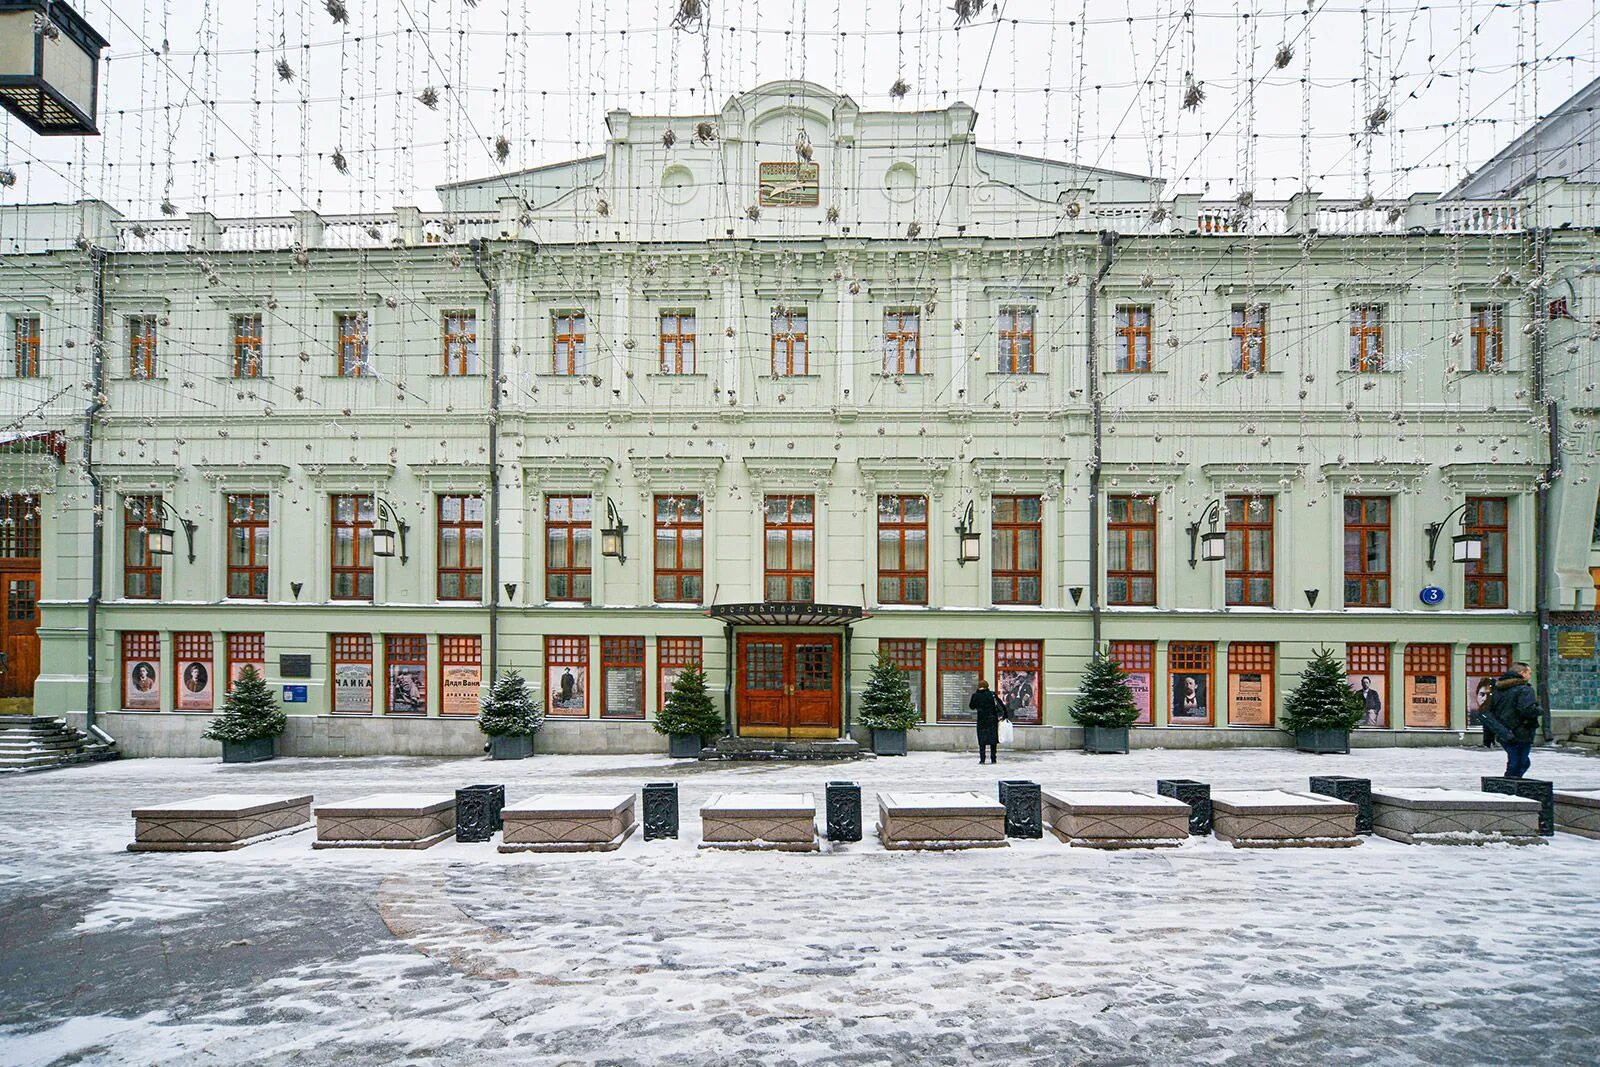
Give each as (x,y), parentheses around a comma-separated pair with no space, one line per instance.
(886,701)
(1104,698)
(1323,700)
(249,712)
(508,709)
(689,710)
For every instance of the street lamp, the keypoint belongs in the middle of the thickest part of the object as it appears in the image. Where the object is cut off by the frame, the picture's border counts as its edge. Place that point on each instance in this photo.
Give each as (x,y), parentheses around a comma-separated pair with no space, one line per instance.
(49,67)
(967,539)
(612,539)
(383,538)
(1465,547)
(1213,544)
(158,540)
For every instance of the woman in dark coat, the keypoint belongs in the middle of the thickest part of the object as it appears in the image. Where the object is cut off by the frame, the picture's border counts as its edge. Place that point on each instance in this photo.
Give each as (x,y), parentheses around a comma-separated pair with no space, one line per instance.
(989,711)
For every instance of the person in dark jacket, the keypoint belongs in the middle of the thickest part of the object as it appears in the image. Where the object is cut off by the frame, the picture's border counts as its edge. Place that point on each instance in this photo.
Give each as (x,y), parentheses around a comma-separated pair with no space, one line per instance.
(1512,718)
(990,711)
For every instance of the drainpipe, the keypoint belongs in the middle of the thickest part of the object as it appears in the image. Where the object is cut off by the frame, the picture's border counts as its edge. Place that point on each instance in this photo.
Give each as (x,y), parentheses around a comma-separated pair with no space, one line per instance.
(494,458)
(97,267)
(1545,406)
(1108,246)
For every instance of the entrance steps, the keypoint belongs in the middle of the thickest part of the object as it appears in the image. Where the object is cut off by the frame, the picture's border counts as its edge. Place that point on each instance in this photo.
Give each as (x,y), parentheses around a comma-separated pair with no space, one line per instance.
(759,749)
(36,743)
(1587,740)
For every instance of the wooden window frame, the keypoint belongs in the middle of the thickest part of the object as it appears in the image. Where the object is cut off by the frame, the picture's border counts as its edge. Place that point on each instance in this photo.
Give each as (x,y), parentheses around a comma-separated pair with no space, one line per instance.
(671,342)
(140,645)
(241,649)
(1127,530)
(1013,360)
(1254,657)
(457,567)
(903,528)
(1192,657)
(902,335)
(148,509)
(21,527)
(1363,576)
(672,654)
(1250,571)
(1487,331)
(569,330)
(247,336)
(1248,338)
(1019,656)
(459,329)
(453,652)
(785,340)
(951,655)
(192,646)
(1130,331)
(1475,579)
(404,650)
(570,529)
(789,574)
(26,342)
(555,646)
(354,331)
(361,534)
(347,648)
(1426,658)
(625,652)
(1366,339)
(1370,658)
(676,527)
(254,525)
(142,342)
(910,654)
(1015,528)
(1138,658)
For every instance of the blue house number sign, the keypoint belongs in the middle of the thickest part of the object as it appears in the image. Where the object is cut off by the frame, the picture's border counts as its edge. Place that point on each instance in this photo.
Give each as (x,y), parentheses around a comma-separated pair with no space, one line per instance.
(294,694)
(1431,595)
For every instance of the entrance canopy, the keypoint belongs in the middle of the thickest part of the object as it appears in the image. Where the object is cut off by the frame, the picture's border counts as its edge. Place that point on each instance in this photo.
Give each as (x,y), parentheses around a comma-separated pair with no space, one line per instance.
(786,613)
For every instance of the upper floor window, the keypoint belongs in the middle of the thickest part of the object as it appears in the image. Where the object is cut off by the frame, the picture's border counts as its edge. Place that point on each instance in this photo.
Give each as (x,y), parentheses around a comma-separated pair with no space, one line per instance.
(248,540)
(902,549)
(141,346)
(19,526)
(678,342)
(1366,338)
(352,546)
(352,327)
(680,550)
(791,350)
(1016,340)
(1249,551)
(1486,577)
(1130,550)
(460,565)
(141,568)
(25,345)
(568,547)
(1487,351)
(1248,341)
(460,342)
(790,535)
(902,341)
(1018,539)
(1133,337)
(569,353)
(1366,551)
(247,346)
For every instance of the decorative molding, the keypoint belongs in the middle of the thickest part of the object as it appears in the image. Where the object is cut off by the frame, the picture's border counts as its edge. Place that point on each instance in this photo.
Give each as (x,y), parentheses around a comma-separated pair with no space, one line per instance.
(1019,292)
(351,477)
(1246,289)
(1004,475)
(904,473)
(25,473)
(1160,470)
(668,472)
(675,294)
(1344,474)
(786,294)
(796,473)
(1370,288)
(1492,477)
(243,475)
(1254,476)
(901,294)
(450,475)
(139,475)
(572,473)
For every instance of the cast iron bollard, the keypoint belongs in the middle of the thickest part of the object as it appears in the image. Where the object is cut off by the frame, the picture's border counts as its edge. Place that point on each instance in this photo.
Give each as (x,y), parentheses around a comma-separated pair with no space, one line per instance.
(1023,817)
(1195,794)
(843,806)
(1528,789)
(478,810)
(1357,791)
(660,810)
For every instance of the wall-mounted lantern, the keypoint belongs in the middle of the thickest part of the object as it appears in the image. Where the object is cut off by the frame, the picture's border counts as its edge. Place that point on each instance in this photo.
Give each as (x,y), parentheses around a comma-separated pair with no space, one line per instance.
(613,538)
(1213,544)
(49,67)
(967,538)
(383,538)
(1465,547)
(158,540)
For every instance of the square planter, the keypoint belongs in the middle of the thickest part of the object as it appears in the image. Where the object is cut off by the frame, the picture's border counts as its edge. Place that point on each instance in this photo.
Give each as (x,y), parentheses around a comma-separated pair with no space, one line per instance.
(1105,739)
(262,748)
(684,746)
(1322,742)
(514,746)
(888,742)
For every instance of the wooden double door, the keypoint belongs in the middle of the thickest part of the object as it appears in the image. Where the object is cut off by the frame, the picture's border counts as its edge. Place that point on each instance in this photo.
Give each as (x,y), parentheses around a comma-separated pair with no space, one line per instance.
(789,685)
(19,631)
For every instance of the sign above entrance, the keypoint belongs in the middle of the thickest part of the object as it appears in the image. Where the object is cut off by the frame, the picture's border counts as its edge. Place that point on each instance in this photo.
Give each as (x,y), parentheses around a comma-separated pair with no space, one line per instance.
(790,184)
(786,613)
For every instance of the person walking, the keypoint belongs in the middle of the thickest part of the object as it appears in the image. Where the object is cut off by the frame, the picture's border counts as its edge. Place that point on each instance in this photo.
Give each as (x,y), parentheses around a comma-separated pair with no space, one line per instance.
(1512,718)
(989,711)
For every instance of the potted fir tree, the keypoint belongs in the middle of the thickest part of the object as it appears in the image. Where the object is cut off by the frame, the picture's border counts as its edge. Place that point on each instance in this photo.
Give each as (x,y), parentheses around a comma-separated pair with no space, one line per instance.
(1323,709)
(250,722)
(886,707)
(689,716)
(510,715)
(1104,707)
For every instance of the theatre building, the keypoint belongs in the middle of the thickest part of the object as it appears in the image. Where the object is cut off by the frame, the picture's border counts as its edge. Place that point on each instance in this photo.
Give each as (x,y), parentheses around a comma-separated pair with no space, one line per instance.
(779,388)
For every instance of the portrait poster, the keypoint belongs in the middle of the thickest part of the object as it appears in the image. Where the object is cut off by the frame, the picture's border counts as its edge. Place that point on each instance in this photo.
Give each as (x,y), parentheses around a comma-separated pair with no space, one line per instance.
(1479,687)
(955,689)
(1139,689)
(194,685)
(462,683)
(352,687)
(568,693)
(237,667)
(408,688)
(624,692)
(1190,698)
(1019,692)
(1249,698)
(1373,689)
(1425,700)
(669,678)
(142,685)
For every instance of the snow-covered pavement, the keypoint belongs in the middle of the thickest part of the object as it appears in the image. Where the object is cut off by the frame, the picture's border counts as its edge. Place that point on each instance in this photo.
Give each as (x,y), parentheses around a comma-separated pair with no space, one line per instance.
(663,953)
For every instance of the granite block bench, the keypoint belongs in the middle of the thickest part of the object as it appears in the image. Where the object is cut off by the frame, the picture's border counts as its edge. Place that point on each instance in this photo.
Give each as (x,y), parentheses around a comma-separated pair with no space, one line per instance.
(569,822)
(1578,812)
(1430,816)
(940,821)
(1116,818)
(218,823)
(387,820)
(1277,818)
(776,822)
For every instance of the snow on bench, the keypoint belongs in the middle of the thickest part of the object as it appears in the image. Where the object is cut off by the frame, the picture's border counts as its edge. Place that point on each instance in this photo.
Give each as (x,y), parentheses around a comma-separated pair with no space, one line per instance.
(1578,811)
(1278,818)
(782,822)
(940,821)
(218,823)
(387,820)
(1430,816)
(1115,818)
(569,822)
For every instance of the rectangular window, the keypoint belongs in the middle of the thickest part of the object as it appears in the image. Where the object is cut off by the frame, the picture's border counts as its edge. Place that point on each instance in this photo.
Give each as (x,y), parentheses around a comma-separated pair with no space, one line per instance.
(568,548)
(460,673)
(1366,670)
(1248,341)
(1251,668)
(460,547)
(1138,659)
(19,526)
(1485,665)
(910,655)
(790,528)
(566,666)
(1249,545)
(622,677)
(1133,337)
(141,346)
(1016,340)
(678,343)
(1488,353)
(1130,550)
(1019,679)
(352,546)
(141,568)
(902,341)
(247,346)
(674,655)
(569,343)
(1427,692)
(352,673)
(902,549)
(960,667)
(246,650)
(1017,537)
(680,550)
(141,670)
(191,672)
(1486,579)
(248,539)
(791,352)
(353,331)
(460,330)
(25,346)
(1366,338)
(405,658)
(1189,669)
(1366,551)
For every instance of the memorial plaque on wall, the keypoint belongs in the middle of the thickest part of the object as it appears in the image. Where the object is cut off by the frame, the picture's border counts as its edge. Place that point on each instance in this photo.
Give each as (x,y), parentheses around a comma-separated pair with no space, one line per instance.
(955,689)
(624,691)
(1574,644)
(294,665)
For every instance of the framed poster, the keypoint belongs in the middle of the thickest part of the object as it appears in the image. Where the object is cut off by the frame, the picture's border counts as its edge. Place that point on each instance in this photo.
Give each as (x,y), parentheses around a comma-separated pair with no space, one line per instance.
(1019,676)
(960,667)
(1427,686)
(1189,667)
(1485,665)
(408,688)
(675,655)
(622,677)
(1367,672)
(566,675)
(352,687)
(142,682)
(1138,659)
(1250,669)
(460,674)
(192,672)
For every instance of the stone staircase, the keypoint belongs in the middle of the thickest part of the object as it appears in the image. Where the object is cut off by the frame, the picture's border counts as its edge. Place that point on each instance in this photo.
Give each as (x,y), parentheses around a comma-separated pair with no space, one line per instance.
(759,749)
(1586,740)
(36,743)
